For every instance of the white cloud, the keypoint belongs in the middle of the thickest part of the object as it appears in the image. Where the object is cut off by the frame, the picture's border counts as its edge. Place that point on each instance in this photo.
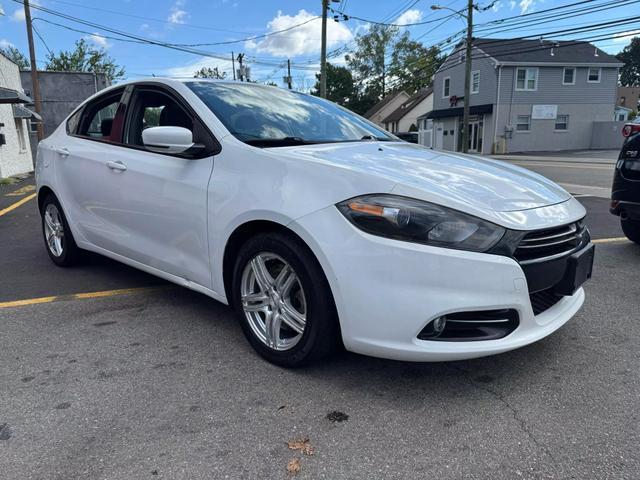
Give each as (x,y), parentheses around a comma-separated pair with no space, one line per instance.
(512,4)
(527,6)
(1,10)
(303,40)
(497,6)
(98,40)
(177,14)
(624,36)
(410,16)
(4,43)
(18,15)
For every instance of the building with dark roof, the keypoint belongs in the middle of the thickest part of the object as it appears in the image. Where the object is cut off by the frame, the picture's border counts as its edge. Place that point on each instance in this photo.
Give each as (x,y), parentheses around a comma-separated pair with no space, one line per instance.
(384,107)
(526,95)
(405,117)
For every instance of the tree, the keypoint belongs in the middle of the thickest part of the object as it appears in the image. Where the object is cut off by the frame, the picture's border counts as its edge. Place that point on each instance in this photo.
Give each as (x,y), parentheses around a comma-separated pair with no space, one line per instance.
(412,64)
(630,56)
(340,86)
(16,56)
(85,58)
(368,61)
(207,72)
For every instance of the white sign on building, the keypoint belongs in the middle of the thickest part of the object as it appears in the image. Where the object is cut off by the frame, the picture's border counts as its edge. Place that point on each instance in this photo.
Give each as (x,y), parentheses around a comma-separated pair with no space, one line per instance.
(544,112)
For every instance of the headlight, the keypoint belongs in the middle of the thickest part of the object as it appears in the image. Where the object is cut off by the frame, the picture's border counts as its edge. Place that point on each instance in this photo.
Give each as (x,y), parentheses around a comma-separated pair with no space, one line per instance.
(410,220)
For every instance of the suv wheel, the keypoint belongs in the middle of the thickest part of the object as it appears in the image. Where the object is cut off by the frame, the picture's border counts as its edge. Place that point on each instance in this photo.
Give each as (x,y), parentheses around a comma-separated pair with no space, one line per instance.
(631,229)
(284,301)
(58,239)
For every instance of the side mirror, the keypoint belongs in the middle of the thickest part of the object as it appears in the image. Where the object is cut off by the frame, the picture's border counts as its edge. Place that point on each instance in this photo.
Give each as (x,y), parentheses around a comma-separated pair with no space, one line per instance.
(167,139)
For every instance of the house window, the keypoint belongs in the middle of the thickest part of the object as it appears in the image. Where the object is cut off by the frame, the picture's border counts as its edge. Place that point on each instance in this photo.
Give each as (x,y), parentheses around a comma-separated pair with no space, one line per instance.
(523,123)
(475,82)
(593,75)
(446,87)
(569,76)
(526,79)
(562,122)
(20,131)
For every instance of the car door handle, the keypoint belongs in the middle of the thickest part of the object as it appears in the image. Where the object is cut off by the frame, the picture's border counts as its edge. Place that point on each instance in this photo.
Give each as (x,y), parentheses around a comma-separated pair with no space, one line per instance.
(63,152)
(119,166)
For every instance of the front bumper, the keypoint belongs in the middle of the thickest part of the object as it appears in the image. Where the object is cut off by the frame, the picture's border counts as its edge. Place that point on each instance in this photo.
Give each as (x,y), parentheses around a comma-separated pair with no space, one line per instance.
(387,291)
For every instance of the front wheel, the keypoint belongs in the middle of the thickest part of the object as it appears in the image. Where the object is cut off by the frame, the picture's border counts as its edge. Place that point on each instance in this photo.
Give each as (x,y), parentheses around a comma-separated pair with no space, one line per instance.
(284,301)
(631,229)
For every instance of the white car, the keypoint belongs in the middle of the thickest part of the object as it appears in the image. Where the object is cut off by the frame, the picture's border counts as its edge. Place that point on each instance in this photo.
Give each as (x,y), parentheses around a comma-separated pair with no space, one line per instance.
(318,227)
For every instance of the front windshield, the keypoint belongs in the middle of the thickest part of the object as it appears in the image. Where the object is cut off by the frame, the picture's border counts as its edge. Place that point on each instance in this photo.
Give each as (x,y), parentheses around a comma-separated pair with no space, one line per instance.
(267,116)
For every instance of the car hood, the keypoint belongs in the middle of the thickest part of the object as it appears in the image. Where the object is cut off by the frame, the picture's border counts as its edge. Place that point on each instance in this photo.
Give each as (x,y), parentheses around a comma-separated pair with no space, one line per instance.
(444,177)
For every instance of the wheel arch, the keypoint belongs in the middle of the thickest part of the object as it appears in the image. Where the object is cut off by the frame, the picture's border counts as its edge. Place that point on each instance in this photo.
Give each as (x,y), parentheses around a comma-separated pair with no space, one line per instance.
(249,229)
(43,192)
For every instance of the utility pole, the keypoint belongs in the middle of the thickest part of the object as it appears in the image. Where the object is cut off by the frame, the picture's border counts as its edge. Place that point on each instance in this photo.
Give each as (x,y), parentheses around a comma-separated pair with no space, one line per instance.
(467,78)
(323,51)
(241,70)
(233,66)
(34,68)
(289,73)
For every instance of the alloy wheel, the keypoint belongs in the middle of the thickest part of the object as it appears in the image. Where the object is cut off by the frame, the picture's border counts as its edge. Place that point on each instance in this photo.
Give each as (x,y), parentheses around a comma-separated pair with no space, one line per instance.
(273,301)
(54,230)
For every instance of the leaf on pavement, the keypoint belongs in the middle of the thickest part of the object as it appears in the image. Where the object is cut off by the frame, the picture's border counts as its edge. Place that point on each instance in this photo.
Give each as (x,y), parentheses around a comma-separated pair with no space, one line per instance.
(302,445)
(294,466)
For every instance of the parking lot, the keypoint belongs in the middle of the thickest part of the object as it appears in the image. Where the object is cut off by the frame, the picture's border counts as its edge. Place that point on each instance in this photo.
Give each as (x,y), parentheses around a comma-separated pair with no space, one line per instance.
(109,373)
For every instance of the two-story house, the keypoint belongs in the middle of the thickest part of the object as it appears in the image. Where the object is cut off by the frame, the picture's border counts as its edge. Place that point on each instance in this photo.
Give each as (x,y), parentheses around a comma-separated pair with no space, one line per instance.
(385,107)
(526,95)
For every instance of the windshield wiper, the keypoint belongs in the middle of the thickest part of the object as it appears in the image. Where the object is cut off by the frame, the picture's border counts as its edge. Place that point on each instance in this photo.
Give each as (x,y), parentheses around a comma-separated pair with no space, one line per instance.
(372,137)
(279,142)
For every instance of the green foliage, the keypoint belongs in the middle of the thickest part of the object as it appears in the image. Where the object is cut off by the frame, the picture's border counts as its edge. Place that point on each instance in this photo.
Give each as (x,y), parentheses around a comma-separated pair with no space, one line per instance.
(633,114)
(16,56)
(368,61)
(630,56)
(340,86)
(410,68)
(412,64)
(84,58)
(206,72)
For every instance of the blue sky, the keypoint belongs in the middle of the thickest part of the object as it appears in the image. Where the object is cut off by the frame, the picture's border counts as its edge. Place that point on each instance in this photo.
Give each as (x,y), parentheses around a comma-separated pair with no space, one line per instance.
(200,21)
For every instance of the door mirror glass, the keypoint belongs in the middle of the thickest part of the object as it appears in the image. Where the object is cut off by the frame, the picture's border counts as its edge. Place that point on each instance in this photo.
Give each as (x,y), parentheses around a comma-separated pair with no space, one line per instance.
(167,139)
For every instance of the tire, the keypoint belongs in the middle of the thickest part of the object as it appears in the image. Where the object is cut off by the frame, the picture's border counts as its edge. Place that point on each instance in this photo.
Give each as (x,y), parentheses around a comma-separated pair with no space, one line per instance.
(61,246)
(285,302)
(631,229)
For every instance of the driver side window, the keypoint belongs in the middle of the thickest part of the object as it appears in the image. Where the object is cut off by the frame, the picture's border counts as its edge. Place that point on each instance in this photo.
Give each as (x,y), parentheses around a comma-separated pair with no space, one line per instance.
(152,108)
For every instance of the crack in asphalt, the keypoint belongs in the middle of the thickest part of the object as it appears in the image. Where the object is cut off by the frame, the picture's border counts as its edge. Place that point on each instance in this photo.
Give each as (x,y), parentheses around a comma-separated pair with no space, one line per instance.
(520,421)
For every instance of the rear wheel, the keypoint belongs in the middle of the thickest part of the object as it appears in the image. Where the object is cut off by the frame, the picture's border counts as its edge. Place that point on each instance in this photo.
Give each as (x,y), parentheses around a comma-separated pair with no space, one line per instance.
(58,239)
(283,301)
(631,229)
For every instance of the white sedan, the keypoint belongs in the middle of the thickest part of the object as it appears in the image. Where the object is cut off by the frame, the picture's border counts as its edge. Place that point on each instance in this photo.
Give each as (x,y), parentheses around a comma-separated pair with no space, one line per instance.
(316,226)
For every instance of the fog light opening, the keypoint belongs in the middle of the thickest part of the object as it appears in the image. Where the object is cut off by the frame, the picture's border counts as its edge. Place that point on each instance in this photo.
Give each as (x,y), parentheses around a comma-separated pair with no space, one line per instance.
(438,325)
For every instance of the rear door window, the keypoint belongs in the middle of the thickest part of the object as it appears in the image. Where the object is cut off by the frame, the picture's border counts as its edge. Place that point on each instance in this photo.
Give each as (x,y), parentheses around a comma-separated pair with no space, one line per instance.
(99,116)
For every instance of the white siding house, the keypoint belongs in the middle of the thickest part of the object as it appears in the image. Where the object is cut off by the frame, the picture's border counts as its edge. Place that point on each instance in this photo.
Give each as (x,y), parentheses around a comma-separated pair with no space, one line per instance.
(385,107)
(405,117)
(15,151)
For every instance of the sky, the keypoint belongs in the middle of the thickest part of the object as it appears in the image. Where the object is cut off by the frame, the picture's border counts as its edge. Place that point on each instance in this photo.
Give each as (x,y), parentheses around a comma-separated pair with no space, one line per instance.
(189,22)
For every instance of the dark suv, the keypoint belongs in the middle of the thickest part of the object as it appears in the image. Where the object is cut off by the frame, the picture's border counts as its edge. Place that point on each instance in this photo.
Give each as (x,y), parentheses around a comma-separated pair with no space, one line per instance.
(625,194)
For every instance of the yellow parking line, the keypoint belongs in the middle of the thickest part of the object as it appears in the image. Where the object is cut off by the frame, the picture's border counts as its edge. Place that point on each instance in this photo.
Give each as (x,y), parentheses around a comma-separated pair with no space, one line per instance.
(611,240)
(78,296)
(17,204)
(21,191)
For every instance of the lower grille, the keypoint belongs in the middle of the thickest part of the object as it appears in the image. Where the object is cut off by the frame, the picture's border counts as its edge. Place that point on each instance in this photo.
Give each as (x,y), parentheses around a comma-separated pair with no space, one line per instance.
(543,300)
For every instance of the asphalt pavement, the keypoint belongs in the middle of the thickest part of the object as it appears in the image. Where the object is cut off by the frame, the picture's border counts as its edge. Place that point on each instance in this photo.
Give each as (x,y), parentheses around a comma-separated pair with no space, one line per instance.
(158,382)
